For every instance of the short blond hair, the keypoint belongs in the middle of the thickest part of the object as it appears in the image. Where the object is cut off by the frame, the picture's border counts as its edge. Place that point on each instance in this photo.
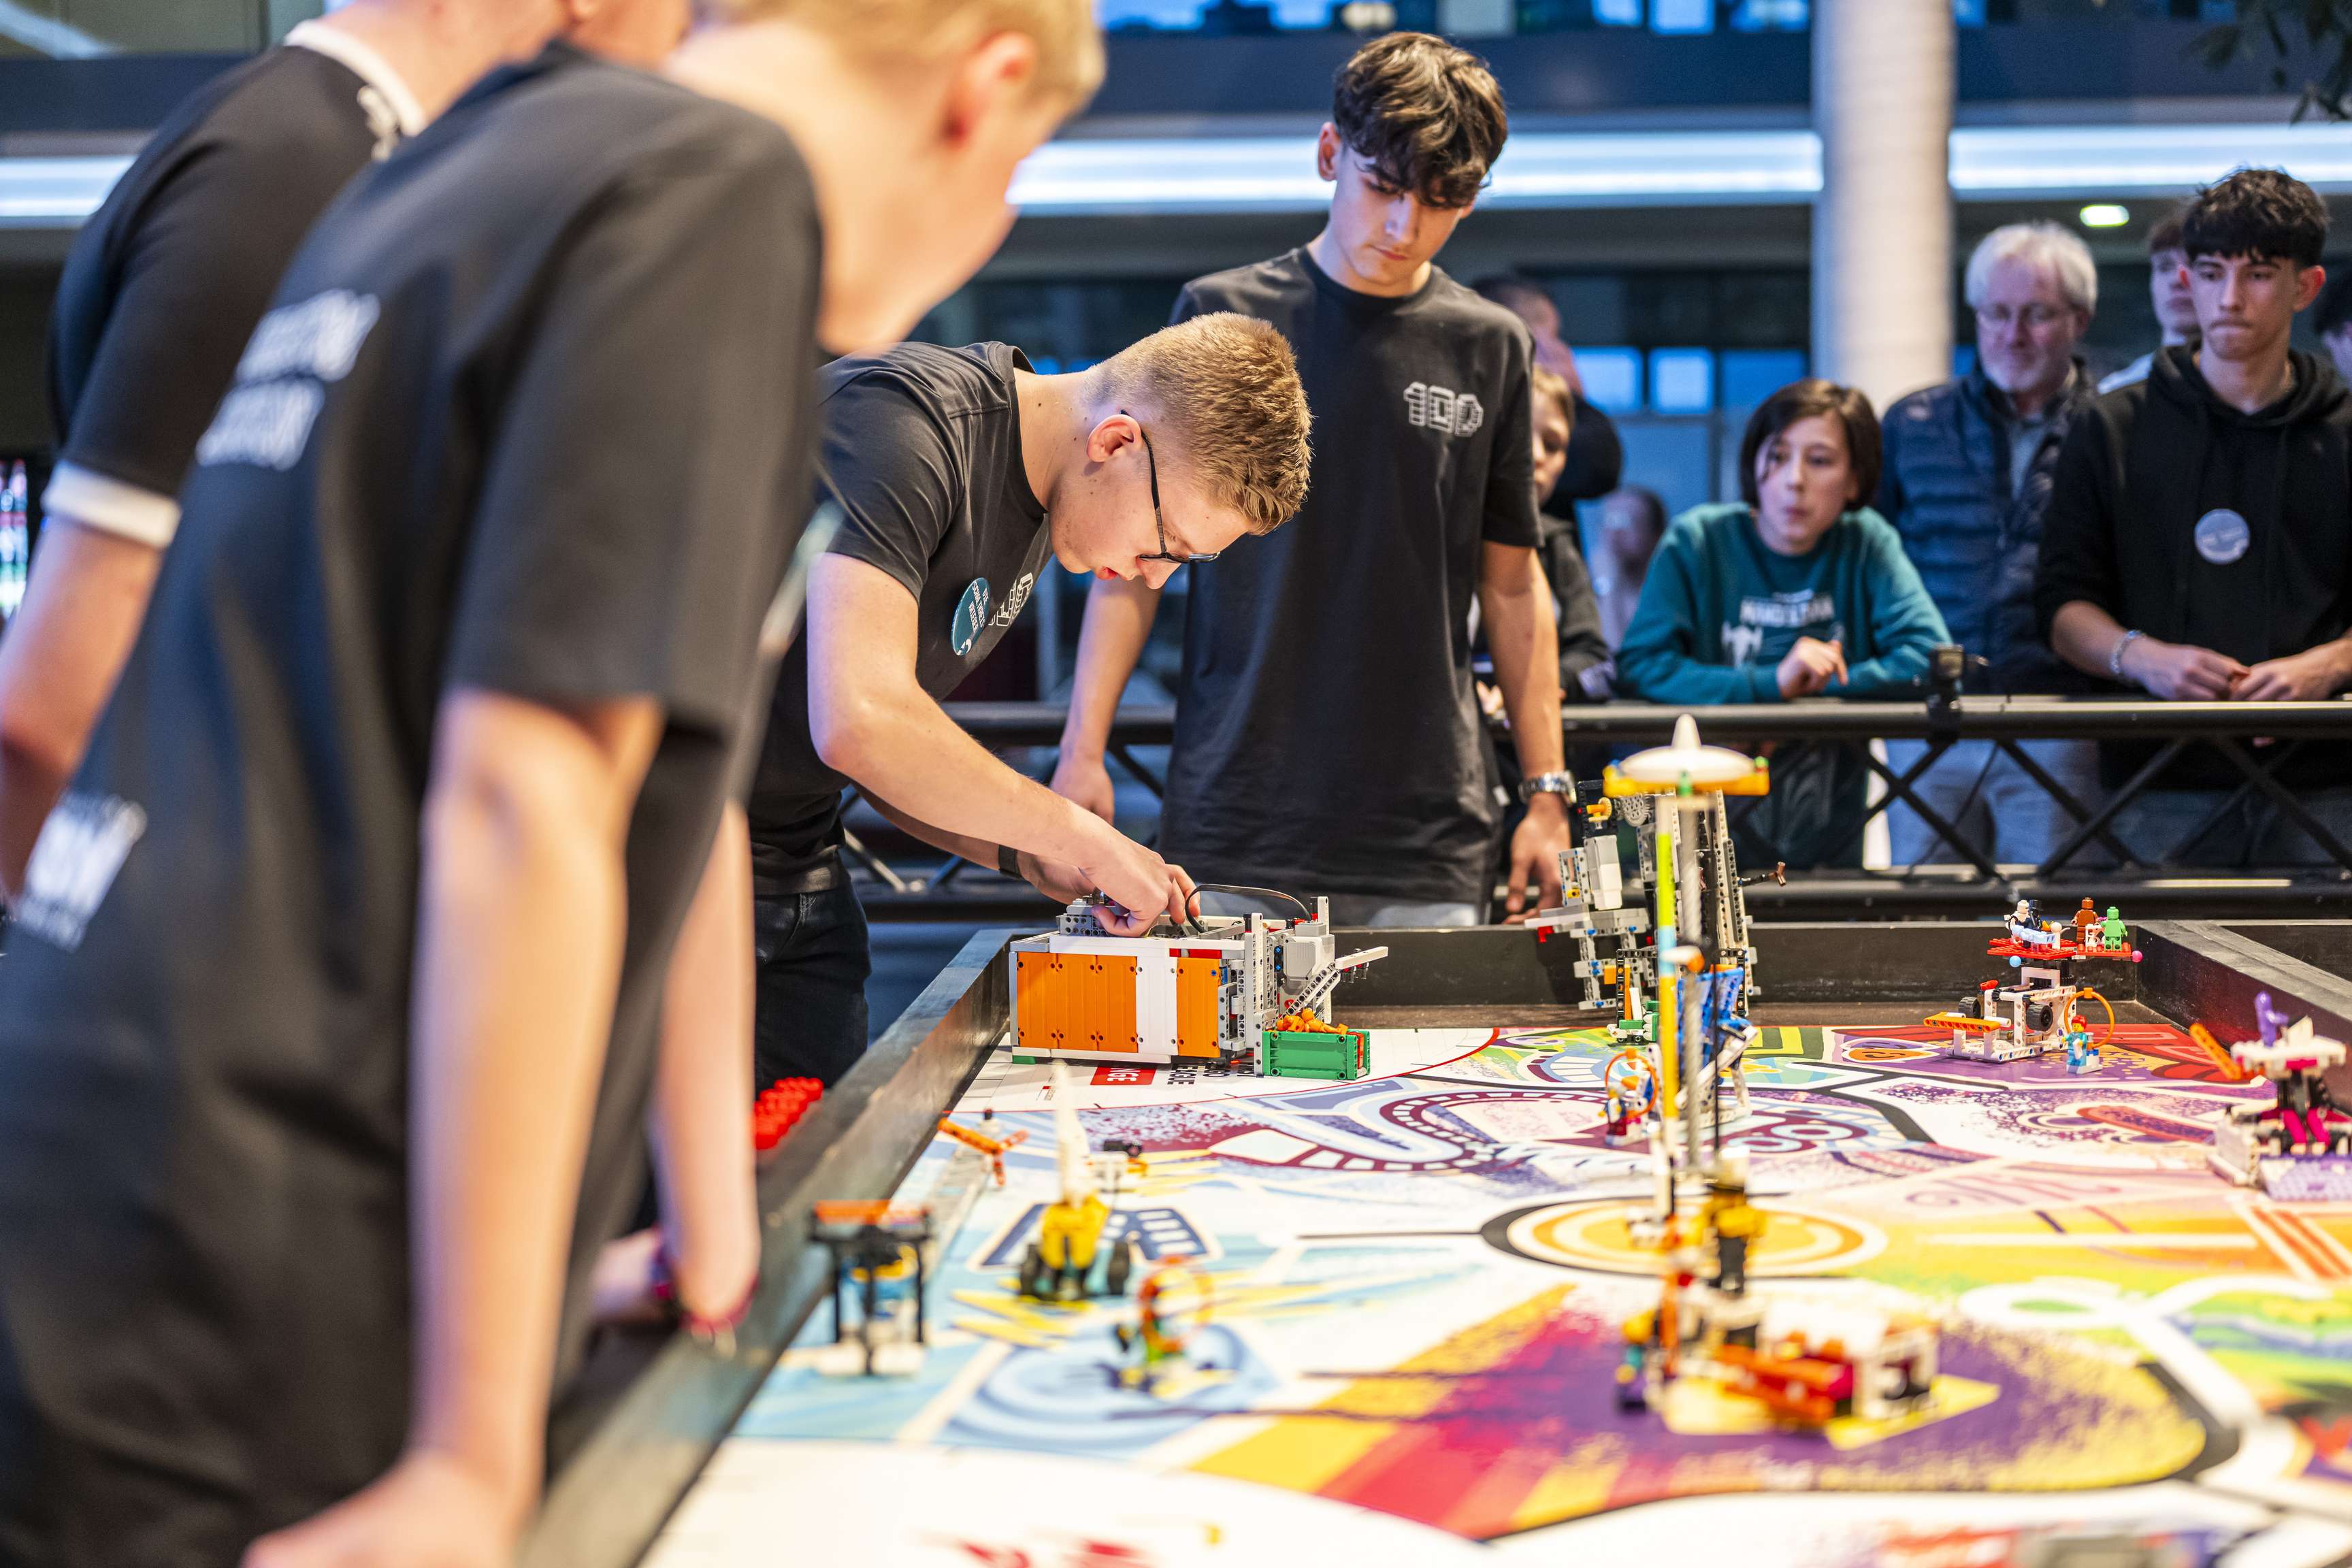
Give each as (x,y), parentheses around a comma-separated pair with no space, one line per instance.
(1069,42)
(1223,391)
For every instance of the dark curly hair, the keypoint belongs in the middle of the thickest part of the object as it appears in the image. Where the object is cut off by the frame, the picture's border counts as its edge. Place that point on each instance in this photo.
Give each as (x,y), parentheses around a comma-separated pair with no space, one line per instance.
(1803,400)
(1425,116)
(2266,214)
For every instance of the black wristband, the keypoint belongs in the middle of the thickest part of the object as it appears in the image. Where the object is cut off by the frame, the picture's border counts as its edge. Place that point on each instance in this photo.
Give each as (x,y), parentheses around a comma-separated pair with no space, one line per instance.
(1008,860)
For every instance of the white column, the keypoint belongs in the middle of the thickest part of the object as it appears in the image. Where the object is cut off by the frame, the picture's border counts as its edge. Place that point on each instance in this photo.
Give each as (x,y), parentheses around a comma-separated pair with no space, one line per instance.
(1883,226)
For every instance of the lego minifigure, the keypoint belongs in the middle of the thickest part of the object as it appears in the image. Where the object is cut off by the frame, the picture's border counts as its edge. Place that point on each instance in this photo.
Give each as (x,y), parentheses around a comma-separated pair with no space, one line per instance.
(2112,933)
(1732,1220)
(1630,1092)
(2081,1054)
(1171,1305)
(2086,925)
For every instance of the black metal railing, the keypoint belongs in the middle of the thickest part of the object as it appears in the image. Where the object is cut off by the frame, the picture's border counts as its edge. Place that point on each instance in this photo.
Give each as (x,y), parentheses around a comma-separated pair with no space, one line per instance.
(2096,854)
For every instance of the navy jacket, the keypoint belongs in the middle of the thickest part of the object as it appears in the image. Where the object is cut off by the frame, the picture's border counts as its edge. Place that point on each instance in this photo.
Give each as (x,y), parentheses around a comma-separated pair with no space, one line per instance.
(1973,531)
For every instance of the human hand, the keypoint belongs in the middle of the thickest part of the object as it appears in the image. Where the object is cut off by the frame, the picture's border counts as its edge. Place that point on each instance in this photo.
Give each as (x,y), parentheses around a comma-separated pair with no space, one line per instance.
(1144,886)
(2312,676)
(1537,845)
(1811,666)
(431,1509)
(2178,672)
(1057,879)
(1086,782)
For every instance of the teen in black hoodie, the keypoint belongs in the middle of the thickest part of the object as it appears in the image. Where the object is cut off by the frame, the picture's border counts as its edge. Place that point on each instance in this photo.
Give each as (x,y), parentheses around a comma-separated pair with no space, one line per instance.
(2195,548)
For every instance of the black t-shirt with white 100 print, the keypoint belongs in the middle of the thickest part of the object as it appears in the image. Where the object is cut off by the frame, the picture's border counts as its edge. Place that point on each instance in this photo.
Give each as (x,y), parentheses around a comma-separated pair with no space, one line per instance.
(922,445)
(533,416)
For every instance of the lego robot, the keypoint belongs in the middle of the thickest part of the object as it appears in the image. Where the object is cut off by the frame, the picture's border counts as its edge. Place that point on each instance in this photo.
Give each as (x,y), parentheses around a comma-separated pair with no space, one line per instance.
(1207,996)
(2267,1144)
(2038,1010)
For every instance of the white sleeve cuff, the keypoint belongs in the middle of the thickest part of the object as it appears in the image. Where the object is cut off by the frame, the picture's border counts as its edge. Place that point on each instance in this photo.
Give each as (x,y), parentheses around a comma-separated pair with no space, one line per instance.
(94,500)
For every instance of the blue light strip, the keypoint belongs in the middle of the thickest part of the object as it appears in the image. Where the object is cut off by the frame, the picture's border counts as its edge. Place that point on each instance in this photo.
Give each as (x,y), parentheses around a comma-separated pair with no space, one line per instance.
(53,193)
(2114,160)
(1537,169)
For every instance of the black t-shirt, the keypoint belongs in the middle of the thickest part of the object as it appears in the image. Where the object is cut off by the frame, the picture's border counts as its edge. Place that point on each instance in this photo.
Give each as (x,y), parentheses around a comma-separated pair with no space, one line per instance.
(534,414)
(923,446)
(1327,739)
(168,278)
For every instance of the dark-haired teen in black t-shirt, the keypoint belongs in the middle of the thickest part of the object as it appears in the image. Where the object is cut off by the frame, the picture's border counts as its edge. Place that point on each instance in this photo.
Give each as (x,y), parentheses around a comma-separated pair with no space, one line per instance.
(963,476)
(327,1038)
(1327,735)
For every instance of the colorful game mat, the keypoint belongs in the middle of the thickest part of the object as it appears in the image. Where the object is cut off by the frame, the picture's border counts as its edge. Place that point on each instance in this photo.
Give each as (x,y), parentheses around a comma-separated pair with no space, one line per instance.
(1419,1282)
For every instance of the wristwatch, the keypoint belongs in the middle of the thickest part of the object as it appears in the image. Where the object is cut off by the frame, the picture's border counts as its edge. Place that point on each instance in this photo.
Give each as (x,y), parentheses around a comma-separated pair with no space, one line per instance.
(1547,784)
(1008,860)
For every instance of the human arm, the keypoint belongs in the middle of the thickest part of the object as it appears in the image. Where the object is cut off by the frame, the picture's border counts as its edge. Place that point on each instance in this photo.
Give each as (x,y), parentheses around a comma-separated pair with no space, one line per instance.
(2078,599)
(1660,659)
(2086,637)
(702,1112)
(65,649)
(1056,879)
(1515,606)
(521,919)
(1586,663)
(871,721)
(1904,625)
(1110,640)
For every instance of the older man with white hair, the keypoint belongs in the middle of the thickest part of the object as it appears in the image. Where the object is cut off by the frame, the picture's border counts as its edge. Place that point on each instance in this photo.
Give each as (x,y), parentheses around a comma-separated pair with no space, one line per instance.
(1967,479)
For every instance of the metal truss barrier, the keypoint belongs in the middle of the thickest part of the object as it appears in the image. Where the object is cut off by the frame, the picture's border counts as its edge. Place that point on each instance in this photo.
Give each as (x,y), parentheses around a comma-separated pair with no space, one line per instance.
(2094,859)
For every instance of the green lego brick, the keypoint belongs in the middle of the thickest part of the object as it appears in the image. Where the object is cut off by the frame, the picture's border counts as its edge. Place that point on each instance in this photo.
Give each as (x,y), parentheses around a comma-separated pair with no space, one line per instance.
(1306,1054)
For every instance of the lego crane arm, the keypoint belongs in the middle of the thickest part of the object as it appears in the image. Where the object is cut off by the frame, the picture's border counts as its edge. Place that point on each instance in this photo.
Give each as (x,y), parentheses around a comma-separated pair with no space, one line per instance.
(1318,990)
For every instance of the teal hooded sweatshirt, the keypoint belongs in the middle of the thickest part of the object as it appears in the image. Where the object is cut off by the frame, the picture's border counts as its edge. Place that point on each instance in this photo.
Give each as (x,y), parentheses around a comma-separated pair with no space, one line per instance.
(1720,611)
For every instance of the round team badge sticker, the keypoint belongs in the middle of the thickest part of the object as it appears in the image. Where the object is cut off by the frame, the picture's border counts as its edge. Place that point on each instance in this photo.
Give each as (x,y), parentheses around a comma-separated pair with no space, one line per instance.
(2222,536)
(970,615)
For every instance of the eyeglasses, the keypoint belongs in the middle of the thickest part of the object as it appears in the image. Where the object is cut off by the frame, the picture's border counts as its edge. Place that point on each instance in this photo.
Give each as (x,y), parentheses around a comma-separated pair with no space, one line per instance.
(1152,458)
(2034,316)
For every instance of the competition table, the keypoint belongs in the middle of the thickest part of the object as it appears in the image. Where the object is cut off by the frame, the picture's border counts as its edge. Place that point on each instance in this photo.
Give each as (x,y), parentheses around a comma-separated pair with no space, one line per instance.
(1421,1277)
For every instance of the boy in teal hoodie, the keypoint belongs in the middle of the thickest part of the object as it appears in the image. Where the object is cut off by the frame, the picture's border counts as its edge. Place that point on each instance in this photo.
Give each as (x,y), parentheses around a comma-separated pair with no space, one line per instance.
(1799,591)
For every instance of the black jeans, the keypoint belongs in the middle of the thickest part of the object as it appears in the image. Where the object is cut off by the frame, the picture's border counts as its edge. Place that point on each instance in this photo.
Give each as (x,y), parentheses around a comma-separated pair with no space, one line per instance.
(812,967)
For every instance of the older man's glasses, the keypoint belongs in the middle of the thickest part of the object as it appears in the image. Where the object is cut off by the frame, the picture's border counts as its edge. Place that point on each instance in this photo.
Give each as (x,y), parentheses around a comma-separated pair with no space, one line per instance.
(2035,317)
(1162,553)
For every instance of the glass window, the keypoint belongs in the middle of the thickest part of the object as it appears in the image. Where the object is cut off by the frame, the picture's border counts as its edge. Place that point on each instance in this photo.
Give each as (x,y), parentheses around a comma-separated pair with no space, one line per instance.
(1775,15)
(1751,375)
(1681,381)
(1681,15)
(1613,378)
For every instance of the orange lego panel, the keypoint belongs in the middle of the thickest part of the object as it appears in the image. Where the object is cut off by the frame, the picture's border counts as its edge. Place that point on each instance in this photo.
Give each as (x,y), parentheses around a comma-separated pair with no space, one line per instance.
(1076,1002)
(1196,1007)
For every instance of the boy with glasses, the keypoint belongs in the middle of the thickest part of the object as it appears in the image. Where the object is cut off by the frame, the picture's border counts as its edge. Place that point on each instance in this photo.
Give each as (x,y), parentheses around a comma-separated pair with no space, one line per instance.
(961,476)
(1327,739)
